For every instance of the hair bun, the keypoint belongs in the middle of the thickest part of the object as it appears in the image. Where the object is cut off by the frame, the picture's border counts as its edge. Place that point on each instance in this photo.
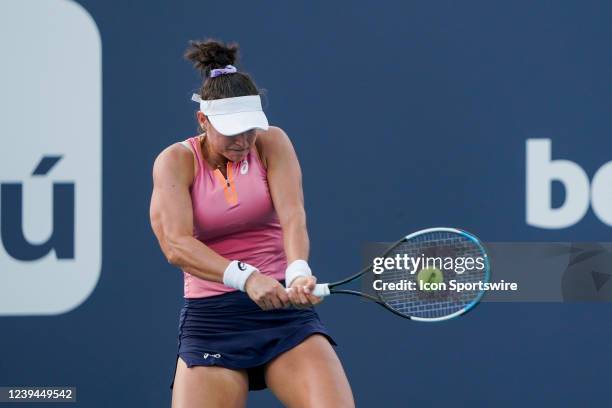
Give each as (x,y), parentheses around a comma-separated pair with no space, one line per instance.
(210,54)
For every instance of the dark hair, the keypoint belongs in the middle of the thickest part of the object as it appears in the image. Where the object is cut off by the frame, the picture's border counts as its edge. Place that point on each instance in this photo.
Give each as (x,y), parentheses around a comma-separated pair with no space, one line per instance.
(210,54)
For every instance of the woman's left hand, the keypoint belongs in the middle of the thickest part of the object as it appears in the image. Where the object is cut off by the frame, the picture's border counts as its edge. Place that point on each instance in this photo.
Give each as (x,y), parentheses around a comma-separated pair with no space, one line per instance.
(300,292)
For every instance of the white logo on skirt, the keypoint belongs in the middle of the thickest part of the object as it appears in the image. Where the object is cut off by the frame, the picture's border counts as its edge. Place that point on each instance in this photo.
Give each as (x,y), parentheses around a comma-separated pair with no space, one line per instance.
(244,167)
(206,355)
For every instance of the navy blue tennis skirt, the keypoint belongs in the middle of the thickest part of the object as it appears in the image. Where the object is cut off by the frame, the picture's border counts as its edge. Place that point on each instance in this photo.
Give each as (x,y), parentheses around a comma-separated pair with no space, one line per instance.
(231,331)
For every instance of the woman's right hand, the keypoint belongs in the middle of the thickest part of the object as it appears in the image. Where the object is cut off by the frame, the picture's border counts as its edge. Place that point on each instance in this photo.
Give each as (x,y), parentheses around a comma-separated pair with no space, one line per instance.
(267,292)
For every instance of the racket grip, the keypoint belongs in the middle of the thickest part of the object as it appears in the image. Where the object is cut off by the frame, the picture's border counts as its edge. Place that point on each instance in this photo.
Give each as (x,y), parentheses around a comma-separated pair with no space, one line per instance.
(321,289)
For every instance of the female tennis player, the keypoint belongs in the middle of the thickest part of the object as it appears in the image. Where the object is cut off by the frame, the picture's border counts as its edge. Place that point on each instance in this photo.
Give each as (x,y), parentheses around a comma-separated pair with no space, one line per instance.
(227,208)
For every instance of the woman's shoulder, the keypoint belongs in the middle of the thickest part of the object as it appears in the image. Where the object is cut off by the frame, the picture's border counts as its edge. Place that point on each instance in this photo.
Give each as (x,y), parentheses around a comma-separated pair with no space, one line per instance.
(177,157)
(274,134)
(270,142)
(178,151)
(274,138)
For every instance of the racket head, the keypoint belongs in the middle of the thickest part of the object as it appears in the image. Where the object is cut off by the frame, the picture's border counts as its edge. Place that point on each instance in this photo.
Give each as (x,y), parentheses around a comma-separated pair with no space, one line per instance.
(442,304)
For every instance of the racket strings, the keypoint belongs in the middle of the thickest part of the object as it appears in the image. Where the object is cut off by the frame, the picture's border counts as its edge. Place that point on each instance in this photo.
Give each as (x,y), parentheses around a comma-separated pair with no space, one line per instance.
(442,301)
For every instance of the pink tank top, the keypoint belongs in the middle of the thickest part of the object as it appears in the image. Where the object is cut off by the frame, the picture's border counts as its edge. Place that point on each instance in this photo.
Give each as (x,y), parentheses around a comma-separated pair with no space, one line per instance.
(236,218)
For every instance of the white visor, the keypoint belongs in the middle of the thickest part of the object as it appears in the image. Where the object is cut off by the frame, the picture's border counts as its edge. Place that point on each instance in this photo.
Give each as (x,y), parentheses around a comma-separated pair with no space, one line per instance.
(232,116)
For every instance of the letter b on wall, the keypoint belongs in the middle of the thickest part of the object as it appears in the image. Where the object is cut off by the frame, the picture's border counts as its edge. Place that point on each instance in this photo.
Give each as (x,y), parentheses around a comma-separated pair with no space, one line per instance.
(579,191)
(50,155)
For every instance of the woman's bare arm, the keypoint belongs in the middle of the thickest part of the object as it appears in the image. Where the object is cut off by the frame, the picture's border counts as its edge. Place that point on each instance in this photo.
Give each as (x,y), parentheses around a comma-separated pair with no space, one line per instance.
(171,215)
(285,182)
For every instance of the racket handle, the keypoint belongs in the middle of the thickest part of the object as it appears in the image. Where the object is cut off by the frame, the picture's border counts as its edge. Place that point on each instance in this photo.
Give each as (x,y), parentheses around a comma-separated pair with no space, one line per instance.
(321,289)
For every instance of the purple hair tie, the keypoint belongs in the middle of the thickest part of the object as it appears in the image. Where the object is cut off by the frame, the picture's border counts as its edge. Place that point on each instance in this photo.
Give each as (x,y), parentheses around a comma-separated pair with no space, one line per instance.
(229,69)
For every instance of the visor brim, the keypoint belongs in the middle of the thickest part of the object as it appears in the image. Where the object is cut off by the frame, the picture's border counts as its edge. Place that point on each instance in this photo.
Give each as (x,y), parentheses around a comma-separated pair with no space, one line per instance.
(235,123)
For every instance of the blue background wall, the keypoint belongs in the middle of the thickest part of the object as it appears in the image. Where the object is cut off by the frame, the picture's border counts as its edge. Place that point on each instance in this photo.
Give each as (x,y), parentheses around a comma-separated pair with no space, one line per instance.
(404,114)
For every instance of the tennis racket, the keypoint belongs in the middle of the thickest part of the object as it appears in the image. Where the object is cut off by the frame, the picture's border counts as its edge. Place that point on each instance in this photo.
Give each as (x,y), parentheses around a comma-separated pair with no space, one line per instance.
(447,249)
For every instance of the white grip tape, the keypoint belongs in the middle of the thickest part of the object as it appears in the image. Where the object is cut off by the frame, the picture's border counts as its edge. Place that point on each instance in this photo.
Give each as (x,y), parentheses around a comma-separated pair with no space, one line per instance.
(236,274)
(321,289)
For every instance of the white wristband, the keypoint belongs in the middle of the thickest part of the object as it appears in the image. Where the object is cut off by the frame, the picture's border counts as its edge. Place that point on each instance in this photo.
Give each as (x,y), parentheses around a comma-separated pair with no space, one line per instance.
(236,274)
(296,269)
